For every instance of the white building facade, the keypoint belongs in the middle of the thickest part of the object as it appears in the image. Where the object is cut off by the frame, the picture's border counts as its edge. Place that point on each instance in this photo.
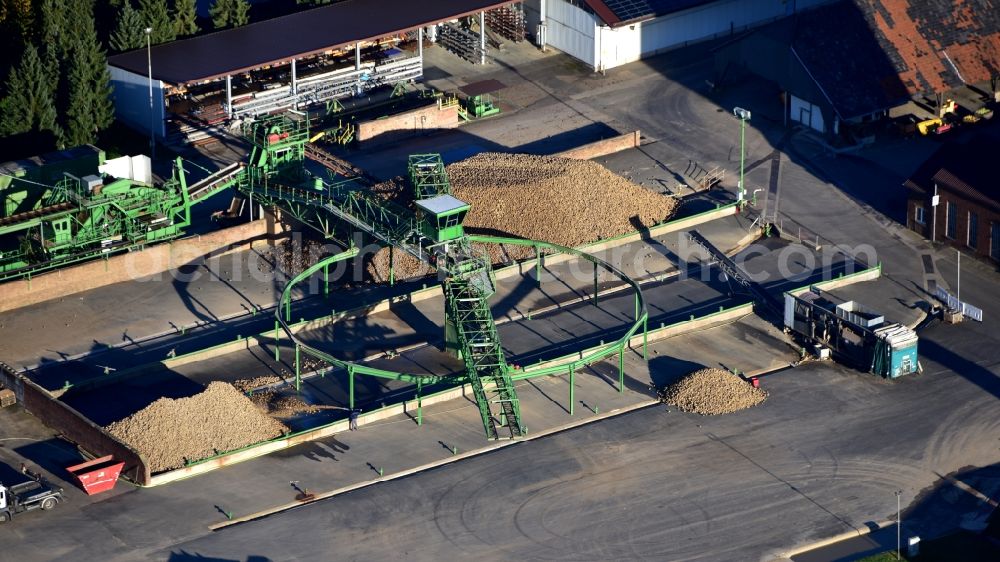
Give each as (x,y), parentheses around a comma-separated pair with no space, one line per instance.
(573,28)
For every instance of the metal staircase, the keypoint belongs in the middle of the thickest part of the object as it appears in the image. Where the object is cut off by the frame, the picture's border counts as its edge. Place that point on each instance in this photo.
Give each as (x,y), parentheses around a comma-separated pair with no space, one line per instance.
(468,309)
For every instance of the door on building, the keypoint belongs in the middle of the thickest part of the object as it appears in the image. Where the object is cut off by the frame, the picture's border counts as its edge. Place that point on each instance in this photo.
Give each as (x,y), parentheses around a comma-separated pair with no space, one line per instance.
(806,113)
(995,240)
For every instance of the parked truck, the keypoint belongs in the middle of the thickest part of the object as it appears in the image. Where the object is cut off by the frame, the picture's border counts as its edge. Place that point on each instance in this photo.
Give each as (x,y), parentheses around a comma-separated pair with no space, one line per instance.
(28,496)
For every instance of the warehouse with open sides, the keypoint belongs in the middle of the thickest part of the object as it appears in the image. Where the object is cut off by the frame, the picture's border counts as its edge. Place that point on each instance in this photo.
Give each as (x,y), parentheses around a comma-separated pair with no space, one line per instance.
(311,59)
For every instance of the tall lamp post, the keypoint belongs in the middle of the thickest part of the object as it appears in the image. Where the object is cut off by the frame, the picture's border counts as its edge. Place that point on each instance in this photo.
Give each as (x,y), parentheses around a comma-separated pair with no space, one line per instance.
(152,118)
(897,492)
(743,115)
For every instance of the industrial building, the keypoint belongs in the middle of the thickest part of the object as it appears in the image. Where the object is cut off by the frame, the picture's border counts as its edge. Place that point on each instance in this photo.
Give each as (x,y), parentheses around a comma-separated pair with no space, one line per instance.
(605,34)
(954,198)
(314,58)
(849,63)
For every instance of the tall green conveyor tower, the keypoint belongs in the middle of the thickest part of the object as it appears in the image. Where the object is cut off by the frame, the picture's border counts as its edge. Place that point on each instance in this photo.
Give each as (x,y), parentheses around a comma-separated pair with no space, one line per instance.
(431,232)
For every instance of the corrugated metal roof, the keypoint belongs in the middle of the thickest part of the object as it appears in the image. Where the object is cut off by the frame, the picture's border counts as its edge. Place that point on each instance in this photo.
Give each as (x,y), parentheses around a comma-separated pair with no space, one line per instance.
(617,13)
(296,35)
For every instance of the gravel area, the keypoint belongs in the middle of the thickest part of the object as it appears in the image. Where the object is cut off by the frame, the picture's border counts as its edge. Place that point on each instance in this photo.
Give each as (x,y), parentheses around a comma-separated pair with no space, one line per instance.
(170,432)
(712,392)
(567,202)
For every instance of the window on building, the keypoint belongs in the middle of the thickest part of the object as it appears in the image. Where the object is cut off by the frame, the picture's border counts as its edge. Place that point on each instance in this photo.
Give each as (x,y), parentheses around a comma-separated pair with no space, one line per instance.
(973,235)
(951,220)
(918,215)
(995,240)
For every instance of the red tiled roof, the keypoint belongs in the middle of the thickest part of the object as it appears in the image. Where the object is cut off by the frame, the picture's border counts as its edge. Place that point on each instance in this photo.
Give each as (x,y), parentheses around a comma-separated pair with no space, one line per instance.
(938,45)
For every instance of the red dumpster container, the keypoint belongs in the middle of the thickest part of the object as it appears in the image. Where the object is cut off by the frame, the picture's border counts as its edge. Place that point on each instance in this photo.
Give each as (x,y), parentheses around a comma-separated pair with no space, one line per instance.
(98,475)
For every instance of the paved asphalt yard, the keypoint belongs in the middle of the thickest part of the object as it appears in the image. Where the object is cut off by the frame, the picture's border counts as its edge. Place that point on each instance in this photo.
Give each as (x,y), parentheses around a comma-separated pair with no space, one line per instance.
(822,456)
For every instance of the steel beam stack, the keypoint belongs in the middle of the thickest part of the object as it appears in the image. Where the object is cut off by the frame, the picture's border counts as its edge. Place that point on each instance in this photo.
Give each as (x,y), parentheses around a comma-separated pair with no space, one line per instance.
(341,83)
(462,41)
(508,23)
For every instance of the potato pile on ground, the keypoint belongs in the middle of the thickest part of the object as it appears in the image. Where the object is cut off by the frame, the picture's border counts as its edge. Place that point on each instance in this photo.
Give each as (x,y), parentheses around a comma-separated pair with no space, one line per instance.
(290,256)
(245,385)
(559,200)
(282,406)
(712,392)
(169,431)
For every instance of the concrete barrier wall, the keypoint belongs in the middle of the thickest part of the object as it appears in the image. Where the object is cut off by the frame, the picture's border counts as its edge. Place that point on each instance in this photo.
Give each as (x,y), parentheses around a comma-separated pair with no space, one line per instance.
(603,147)
(125,267)
(659,230)
(407,124)
(870,274)
(415,296)
(73,425)
(254,451)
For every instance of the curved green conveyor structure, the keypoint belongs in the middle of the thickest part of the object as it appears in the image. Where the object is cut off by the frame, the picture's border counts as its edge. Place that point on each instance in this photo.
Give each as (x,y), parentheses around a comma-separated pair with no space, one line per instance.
(593,355)
(431,233)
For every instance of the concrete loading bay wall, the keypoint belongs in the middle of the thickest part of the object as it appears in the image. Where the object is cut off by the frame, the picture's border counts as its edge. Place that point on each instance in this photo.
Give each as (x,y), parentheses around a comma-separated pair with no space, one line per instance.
(132,265)
(410,407)
(74,426)
(603,147)
(422,120)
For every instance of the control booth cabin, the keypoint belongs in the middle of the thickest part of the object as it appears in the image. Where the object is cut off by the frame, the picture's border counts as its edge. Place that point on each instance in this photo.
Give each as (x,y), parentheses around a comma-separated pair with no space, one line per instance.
(441,217)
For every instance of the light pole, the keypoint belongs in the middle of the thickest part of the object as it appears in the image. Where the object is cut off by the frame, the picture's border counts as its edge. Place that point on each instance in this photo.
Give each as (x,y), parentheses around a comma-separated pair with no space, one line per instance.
(743,115)
(152,119)
(897,492)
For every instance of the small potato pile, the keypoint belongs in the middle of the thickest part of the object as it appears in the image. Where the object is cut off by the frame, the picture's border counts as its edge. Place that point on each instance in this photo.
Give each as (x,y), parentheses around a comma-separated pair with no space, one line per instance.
(169,431)
(290,256)
(246,385)
(559,200)
(712,392)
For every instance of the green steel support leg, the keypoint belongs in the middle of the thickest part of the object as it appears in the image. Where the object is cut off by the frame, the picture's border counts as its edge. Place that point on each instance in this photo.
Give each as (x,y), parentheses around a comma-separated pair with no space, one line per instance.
(572,389)
(392,266)
(621,370)
(645,338)
(326,280)
(350,387)
(277,347)
(298,368)
(636,306)
(538,266)
(288,308)
(595,283)
(420,408)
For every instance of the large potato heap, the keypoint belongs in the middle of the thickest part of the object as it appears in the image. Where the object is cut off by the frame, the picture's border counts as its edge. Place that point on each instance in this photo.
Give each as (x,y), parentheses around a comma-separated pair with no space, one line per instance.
(559,200)
(218,419)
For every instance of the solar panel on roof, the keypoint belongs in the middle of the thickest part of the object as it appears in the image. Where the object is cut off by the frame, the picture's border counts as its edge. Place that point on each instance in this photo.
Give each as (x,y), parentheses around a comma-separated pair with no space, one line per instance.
(629,9)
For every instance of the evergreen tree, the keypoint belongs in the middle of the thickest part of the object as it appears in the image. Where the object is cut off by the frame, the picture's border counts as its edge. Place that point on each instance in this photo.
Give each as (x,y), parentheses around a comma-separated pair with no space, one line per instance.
(185,18)
(28,105)
(154,15)
(17,16)
(130,33)
(80,126)
(89,109)
(53,30)
(230,13)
